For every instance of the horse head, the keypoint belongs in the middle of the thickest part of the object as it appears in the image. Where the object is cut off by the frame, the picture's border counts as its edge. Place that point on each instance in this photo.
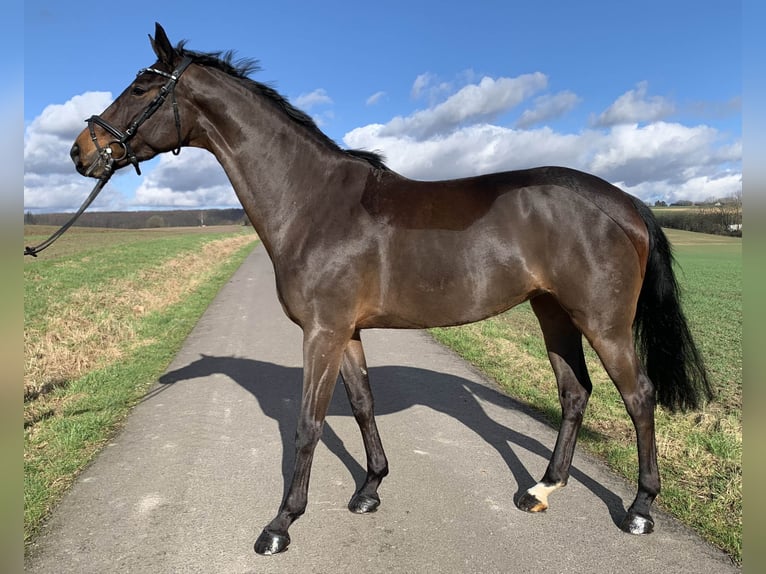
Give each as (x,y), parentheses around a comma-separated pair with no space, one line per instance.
(139,124)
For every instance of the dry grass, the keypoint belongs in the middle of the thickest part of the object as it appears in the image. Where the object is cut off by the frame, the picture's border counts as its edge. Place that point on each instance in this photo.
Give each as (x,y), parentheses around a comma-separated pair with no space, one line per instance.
(94,327)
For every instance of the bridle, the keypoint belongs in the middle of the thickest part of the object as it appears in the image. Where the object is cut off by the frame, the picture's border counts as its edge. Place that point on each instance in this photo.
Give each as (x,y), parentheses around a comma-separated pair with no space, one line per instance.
(105,155)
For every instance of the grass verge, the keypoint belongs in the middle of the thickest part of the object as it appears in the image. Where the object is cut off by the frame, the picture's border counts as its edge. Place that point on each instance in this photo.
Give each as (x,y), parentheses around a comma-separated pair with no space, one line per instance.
(700,454)
(103,318)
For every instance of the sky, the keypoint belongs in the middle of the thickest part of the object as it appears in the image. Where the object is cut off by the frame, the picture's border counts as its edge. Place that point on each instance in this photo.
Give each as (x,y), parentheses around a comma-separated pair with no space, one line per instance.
(645,94)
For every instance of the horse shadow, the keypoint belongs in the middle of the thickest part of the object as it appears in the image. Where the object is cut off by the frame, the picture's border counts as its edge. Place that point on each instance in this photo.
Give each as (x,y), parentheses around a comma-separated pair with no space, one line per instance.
(395,388)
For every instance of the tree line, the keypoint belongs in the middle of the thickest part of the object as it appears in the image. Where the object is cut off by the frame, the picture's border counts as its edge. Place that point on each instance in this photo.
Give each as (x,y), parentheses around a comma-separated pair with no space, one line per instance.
(722,217)
(144,219)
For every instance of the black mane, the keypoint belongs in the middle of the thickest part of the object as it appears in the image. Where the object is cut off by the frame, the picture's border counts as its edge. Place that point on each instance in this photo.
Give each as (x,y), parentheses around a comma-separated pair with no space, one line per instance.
(243,67)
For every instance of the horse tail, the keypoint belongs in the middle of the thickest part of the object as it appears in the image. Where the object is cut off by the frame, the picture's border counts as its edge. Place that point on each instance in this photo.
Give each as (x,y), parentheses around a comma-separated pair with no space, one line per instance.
(663,340)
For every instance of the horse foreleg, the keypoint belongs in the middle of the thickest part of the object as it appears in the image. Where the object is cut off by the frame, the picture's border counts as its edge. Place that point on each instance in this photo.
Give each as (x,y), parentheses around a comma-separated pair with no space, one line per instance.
(322,351)
(356,380)
(563,341)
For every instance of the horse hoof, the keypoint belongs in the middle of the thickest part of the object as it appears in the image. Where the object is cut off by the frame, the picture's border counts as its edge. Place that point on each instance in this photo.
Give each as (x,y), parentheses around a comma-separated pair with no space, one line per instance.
(635,523)
(269,543)
(530,503)
(363,504)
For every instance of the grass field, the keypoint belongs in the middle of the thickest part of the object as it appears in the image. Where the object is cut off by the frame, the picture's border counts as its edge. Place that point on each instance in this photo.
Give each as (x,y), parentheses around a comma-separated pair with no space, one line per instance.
(700,454)
(104,313)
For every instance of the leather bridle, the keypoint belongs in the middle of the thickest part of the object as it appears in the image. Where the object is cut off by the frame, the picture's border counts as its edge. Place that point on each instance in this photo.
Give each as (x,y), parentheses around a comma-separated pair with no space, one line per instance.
(105,155)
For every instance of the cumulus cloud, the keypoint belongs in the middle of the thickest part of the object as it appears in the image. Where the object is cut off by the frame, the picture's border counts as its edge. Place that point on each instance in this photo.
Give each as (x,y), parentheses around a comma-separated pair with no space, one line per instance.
(661,152)
(634,107)
(313,99)
(664,160)
(192,179)
(50,180)
(470,150)
(472,103)
(52,184)
(548,107)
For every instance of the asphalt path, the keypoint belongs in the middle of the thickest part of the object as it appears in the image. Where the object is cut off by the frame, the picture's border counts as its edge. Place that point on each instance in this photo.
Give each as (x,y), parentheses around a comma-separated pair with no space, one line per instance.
(200,468)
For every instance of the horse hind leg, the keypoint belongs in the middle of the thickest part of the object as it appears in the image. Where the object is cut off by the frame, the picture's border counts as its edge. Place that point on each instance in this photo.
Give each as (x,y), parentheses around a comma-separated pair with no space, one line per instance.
(353,370)
(563,342)
(619,358)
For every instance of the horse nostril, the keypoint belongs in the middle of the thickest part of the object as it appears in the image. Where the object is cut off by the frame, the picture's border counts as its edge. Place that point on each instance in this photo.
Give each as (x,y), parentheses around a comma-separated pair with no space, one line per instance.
(74,153)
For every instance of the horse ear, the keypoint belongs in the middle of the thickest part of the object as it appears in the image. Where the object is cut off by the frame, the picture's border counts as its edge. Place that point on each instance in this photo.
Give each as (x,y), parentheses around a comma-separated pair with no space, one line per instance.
(161,45)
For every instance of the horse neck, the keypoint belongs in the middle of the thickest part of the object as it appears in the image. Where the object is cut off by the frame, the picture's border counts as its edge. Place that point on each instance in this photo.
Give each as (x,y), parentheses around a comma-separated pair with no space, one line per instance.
(279,169)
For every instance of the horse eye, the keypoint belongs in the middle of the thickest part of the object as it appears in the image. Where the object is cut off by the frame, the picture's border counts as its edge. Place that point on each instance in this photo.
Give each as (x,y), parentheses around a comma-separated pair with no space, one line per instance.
(138,91)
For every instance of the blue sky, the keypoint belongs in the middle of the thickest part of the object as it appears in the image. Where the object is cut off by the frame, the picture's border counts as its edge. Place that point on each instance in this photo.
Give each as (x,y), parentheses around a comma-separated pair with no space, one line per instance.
(645,94)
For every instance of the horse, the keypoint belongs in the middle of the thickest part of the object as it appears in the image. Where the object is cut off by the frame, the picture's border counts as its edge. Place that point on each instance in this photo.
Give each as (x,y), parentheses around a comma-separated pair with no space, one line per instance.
(355,245)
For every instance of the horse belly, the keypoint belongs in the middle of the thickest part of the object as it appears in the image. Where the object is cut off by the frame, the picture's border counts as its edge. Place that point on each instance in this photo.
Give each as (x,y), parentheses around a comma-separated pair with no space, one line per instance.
(456,283)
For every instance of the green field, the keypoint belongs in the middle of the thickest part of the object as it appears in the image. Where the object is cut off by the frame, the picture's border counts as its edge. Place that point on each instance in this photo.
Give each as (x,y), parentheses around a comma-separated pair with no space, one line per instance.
(700,453)
(104,313)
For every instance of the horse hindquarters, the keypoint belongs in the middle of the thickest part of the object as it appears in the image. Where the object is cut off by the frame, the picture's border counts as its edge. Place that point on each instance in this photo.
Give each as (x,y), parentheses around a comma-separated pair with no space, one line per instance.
(594,290)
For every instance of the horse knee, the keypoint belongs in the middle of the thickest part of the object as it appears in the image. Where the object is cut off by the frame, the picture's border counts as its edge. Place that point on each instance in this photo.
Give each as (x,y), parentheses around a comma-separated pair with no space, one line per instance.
(308,434)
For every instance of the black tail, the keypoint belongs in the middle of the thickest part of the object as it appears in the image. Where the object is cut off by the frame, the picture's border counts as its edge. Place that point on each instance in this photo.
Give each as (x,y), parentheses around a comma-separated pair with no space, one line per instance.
(663,340)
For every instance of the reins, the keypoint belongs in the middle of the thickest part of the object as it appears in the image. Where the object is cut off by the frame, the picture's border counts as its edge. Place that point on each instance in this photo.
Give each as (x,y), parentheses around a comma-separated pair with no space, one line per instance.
(105,154)
(33,251)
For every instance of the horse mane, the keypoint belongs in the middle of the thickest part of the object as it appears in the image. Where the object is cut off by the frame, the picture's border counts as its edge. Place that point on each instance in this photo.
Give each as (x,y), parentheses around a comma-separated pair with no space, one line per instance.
(243,67)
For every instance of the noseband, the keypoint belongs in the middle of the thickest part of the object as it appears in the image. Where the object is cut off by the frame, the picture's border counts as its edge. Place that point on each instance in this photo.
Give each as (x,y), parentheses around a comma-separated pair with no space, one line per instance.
(105,154)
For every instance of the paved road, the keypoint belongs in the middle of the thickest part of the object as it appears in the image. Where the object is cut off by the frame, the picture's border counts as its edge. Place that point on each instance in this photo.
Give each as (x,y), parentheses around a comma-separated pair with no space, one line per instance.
(198,470)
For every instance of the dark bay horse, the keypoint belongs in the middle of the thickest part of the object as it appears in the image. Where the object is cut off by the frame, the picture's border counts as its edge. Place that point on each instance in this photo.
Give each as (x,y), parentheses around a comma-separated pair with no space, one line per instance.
(356,246)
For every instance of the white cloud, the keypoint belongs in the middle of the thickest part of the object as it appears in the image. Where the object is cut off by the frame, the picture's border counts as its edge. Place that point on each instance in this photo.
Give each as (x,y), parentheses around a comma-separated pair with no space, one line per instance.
(661,152)
(193,178)
(657,160)
(700,188)
(318,97)
(50,179)
(472,103)
(420,84)
(470,150)
(634,107)
(375,98)
(51,183)
(548,107)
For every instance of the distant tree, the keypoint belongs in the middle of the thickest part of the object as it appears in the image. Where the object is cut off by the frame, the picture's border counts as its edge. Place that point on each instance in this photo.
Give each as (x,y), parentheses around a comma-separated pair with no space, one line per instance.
(29,218)
(155,221)
(660,203)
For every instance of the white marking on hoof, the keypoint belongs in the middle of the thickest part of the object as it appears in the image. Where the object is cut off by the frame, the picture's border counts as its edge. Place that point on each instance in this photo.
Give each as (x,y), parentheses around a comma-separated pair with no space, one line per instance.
(541,492)
(639,525)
